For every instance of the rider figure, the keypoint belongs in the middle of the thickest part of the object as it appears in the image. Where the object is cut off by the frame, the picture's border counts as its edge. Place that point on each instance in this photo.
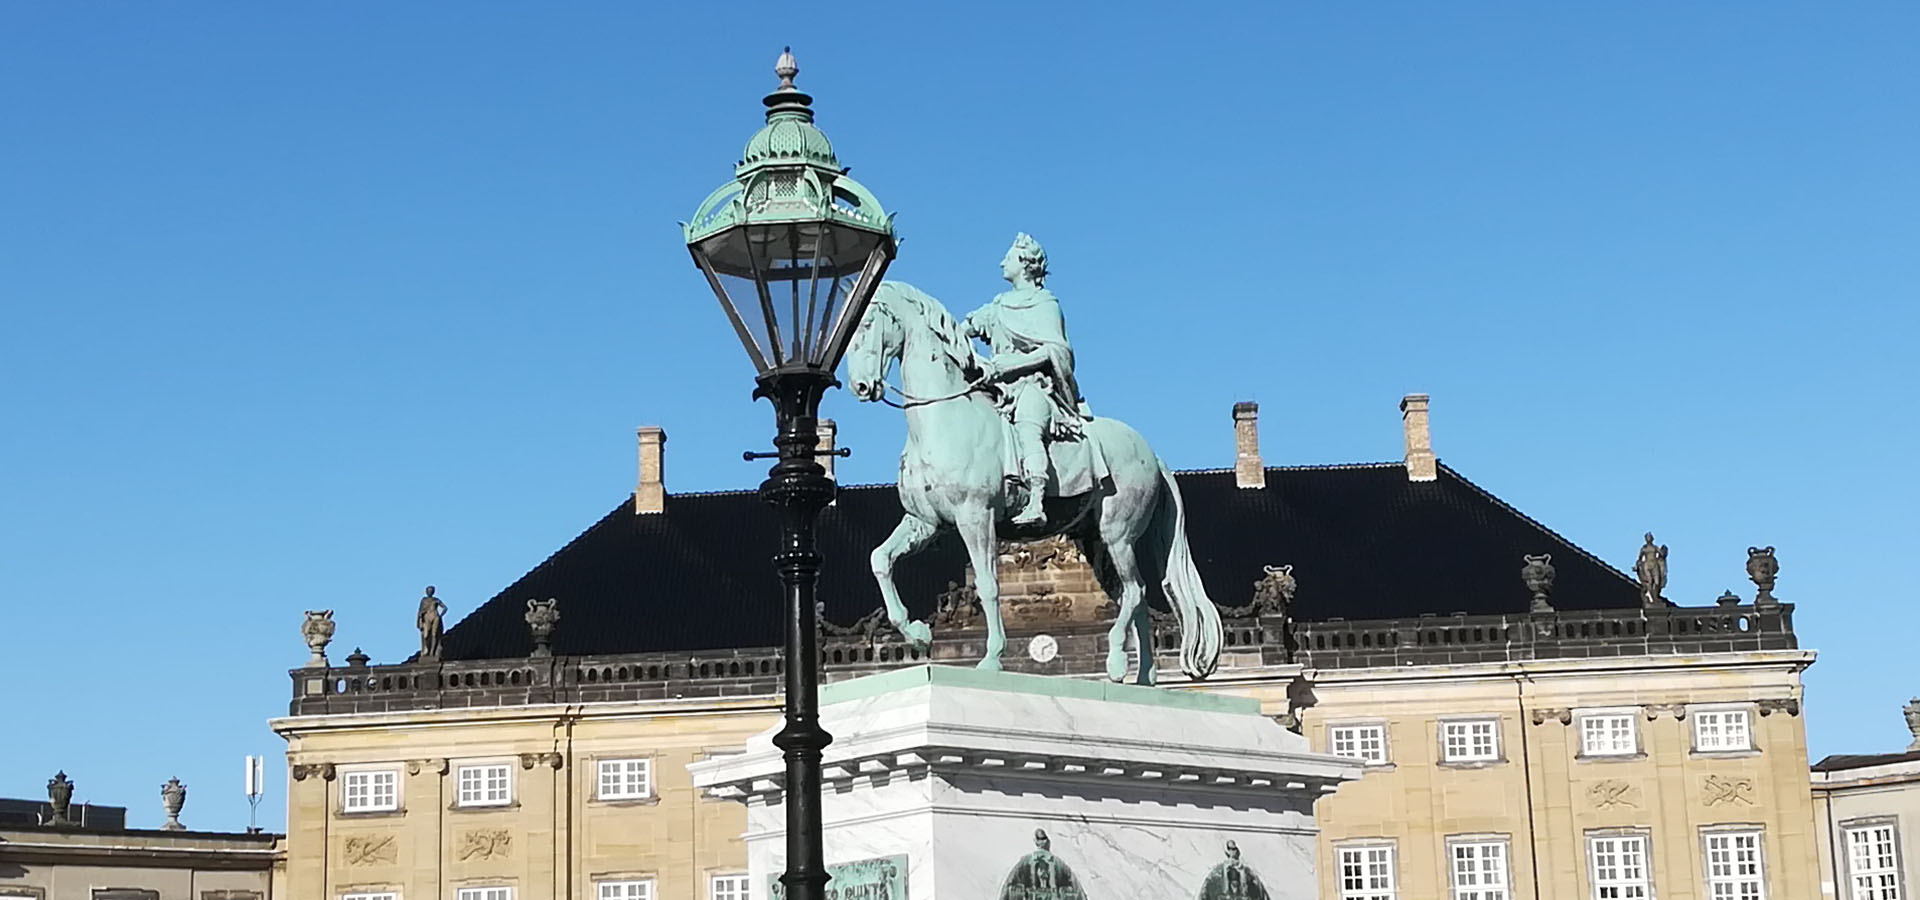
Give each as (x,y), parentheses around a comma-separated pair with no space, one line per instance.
(1033,364)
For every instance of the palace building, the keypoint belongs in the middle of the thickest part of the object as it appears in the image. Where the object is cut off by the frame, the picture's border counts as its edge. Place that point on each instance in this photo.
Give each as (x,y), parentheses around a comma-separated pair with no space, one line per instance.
(1534,723)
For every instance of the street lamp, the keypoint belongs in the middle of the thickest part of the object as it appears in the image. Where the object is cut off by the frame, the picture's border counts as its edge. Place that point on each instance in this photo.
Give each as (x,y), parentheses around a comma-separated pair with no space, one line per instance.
(794,248)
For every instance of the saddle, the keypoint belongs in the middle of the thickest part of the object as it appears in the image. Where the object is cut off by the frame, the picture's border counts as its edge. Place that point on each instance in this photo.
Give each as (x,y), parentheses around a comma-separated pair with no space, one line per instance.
(1074,467)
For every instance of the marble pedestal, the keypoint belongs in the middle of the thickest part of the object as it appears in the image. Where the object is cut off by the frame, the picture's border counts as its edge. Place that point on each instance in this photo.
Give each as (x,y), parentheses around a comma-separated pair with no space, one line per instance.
(1138,791)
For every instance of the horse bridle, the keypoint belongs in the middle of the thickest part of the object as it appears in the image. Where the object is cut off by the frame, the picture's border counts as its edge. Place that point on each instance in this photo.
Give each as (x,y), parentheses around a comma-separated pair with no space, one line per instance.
(909,401)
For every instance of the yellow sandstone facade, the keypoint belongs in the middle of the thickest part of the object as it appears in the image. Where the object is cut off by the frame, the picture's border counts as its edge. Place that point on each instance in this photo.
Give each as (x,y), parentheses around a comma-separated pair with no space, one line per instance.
(1488,767)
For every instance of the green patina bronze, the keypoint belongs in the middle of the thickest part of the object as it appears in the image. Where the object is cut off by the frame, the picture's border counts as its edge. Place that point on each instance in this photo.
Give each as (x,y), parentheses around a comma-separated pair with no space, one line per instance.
(883,878)
(1003,447)
(1041,876)
(1233,880)
(788,172)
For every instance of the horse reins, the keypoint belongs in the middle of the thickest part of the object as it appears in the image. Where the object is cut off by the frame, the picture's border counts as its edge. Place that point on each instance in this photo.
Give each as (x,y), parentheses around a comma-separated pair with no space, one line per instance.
(912,401)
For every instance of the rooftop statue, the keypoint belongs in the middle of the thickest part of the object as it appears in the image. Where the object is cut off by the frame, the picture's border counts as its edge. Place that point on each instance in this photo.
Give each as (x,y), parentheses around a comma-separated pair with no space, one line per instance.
(1650,568)
(431,620)
(971,464)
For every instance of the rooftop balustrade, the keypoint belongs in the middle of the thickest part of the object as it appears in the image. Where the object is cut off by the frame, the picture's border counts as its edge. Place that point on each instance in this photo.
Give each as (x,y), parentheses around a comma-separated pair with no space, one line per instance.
(1247,643)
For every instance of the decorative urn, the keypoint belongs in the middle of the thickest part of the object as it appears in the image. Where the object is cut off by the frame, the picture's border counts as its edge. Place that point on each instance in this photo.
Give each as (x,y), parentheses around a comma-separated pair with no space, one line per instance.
(1538,575)
(173,796)
(60,797)
(318,632)
(1762,567)
(542,615)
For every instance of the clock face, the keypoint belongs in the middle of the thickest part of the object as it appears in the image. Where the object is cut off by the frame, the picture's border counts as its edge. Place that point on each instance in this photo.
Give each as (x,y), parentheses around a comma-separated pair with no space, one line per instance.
(1043,648)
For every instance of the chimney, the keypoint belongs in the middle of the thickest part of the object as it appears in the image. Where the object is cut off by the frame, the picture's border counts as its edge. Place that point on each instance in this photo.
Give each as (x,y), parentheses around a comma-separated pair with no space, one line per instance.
(827,431)
(1421,463)
(1248,471)
(650,495)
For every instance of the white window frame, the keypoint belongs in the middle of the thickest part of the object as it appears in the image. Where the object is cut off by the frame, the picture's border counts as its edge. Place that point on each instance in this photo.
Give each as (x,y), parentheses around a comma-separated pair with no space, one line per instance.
(1358,742)
(739,886)
(483,790)
(1482,882)
(369,804)
(1367,855)
(1619,887)
(1608,746)
(1723,864)
(485,892)
(1699,716)
(624,889)
(622,776)
(1469,751)
(1883,873)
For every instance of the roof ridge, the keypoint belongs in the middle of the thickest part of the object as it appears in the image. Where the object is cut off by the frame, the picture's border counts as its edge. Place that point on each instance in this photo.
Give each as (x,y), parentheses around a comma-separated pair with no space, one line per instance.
(1537,524)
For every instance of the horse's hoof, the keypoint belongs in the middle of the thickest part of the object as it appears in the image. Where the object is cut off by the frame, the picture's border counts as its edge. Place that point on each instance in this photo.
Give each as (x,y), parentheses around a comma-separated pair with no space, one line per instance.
(989,664)
(1117,666)
(1147,678)
(918,634)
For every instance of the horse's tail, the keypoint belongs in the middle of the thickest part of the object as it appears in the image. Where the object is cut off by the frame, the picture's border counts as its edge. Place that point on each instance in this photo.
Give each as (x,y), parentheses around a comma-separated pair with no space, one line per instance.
(1200,631)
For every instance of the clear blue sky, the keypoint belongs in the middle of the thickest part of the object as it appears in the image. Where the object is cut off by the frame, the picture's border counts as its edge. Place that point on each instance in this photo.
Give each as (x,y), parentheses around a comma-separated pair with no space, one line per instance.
(307,306)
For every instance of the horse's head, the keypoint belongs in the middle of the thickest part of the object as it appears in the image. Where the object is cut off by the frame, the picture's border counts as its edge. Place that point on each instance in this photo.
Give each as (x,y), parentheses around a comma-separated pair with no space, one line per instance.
(876,343)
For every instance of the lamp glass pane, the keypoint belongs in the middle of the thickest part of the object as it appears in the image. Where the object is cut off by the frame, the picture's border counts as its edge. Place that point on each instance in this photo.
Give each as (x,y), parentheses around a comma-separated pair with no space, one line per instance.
(788,283)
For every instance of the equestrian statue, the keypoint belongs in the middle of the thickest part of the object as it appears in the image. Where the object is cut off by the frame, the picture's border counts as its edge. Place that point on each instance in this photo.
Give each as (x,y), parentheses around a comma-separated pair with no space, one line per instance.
(1002,445)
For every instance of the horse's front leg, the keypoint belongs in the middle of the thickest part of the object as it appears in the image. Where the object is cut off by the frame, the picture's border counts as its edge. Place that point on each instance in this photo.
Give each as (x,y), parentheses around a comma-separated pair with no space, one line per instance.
(979,538)
(907,538)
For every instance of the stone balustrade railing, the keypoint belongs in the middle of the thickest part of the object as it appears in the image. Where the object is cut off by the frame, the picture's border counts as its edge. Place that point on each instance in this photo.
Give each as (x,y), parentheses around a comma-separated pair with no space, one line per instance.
(1248,643)
(1569,634)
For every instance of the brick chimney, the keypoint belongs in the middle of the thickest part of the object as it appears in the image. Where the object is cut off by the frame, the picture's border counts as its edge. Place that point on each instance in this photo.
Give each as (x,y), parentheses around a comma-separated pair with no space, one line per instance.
(1421,463)
(650,494)
(1248,471)
(827,432)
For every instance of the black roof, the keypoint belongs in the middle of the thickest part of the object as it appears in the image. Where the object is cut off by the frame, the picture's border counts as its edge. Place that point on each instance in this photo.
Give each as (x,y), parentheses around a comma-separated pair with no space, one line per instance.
(1365,543)
(1843,761)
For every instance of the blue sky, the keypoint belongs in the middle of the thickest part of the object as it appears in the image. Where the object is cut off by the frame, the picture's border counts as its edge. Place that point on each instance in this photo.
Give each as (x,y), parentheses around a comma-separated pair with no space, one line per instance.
(308,306)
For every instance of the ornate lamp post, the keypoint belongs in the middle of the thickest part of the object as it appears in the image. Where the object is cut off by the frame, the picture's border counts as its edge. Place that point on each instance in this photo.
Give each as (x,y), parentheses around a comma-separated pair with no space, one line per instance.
(793,249)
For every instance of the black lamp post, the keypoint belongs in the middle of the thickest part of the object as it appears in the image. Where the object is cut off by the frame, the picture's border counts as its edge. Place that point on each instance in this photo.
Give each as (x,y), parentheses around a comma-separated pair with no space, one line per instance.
(794,248)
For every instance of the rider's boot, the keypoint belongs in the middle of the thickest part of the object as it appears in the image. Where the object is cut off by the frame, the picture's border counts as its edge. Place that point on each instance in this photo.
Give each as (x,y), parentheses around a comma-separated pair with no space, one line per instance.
(1033,465)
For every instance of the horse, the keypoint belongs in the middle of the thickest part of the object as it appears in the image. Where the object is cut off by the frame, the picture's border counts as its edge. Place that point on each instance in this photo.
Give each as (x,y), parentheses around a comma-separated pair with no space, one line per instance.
(952,478)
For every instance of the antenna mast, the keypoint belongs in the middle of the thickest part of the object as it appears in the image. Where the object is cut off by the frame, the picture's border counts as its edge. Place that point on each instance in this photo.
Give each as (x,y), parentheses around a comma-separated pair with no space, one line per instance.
(256,785)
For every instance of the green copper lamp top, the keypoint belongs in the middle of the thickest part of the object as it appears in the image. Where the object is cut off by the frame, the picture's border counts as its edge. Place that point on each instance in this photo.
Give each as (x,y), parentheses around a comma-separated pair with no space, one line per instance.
(789,171)
(789,135)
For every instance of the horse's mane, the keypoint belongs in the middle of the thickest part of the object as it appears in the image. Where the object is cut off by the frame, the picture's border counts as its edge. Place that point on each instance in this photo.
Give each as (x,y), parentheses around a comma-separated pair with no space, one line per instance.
(939,322)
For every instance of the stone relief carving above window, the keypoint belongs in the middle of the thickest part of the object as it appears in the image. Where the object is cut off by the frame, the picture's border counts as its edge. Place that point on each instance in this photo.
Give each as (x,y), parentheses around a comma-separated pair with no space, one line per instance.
(485,843)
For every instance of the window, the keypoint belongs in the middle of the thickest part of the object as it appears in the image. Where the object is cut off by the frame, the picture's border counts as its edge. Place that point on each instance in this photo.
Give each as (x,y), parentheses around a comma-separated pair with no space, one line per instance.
(1366,873)
(373,790)
(1607,734)
(1476,741)
(1618,866)
(1480,870)
(380,895)
(488,785)
(626,890)
(1873,869)
(1367,743)
(729,887)
(626,779)
(1721,729)
(485,893)
(1733,866)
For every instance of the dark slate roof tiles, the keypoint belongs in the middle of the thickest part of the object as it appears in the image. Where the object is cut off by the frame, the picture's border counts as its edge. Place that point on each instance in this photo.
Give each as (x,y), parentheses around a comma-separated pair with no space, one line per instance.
(1364,541)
